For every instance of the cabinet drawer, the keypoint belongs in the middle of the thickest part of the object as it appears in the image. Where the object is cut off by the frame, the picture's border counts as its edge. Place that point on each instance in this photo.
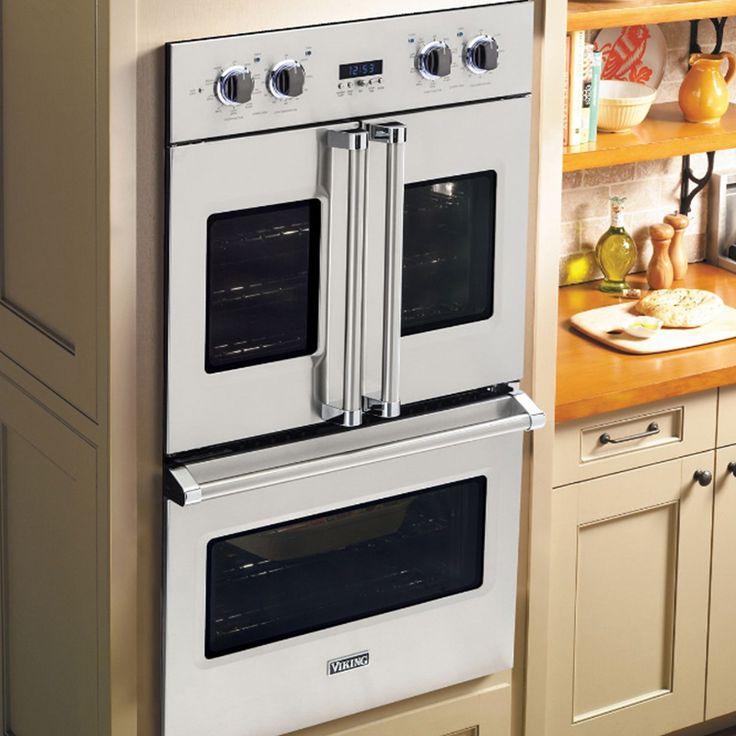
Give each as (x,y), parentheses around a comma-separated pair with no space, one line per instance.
(726,416)
(609,443)
(476,708)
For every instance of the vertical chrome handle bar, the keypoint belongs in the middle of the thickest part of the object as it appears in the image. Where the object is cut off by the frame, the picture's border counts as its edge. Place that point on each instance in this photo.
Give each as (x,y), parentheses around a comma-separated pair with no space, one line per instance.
(356,143)
(388,404)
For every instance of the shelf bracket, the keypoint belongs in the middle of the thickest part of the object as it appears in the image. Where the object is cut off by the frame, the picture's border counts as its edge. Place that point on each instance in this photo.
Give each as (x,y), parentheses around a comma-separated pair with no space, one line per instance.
(719,24)
(686,195)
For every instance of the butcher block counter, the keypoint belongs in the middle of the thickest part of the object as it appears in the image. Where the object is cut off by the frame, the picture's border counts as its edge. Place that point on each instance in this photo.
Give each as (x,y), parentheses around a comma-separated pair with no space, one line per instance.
(593,379)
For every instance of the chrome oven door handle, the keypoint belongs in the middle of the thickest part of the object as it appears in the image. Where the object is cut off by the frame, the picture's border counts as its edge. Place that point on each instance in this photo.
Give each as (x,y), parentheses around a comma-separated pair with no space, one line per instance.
(393,135)
(355,142)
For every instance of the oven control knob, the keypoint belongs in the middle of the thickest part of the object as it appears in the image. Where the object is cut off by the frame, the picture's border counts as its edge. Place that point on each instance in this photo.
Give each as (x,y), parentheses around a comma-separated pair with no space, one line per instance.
(434,60)
(234,86)
(286,79)
(481,54)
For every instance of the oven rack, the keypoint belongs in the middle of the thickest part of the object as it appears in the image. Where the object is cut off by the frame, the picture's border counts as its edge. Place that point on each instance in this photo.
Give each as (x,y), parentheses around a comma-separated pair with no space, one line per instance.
(236,350)
(233,296)
(375,559)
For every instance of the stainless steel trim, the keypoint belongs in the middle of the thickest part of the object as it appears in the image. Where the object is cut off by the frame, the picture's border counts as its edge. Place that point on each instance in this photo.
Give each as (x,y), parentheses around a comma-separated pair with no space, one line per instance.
(409,436)
(355,142)
(537,418)
(394,135)
(190,488)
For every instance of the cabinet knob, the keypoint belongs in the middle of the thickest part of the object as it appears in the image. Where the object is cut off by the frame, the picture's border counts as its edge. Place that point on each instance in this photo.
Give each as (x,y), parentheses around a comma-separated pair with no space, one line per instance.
(731,467)
(704,477)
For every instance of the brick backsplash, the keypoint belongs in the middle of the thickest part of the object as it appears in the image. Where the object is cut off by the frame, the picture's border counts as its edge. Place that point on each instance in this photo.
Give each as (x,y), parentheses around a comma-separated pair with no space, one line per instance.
(651,188)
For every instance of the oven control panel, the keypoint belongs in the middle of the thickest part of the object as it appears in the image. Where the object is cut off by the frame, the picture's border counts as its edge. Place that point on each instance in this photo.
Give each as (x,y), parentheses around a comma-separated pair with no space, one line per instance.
(253,82)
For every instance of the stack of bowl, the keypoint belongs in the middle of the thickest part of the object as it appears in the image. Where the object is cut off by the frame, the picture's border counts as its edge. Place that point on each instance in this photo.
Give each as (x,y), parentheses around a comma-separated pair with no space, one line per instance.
(622,105)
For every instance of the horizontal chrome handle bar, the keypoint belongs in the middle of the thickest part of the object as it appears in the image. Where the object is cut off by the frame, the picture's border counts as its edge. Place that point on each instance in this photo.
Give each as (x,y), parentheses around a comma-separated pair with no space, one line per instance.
(514,412)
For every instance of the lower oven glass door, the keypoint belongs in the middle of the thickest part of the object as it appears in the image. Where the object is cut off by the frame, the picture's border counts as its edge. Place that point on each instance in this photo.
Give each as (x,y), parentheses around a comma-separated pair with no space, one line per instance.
(295,577)
(341,584)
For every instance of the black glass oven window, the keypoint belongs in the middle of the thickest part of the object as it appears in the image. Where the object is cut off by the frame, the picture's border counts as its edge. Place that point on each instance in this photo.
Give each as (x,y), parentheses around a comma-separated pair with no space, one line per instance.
(320,571)
(262,285)
(449,231)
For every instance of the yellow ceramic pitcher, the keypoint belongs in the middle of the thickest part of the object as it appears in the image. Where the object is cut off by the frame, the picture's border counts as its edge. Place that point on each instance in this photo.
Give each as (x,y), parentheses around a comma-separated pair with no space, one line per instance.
(704,92)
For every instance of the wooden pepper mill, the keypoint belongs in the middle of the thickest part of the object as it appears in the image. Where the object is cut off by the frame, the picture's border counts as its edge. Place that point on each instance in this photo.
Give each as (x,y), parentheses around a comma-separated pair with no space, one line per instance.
(659,273)
(677,247)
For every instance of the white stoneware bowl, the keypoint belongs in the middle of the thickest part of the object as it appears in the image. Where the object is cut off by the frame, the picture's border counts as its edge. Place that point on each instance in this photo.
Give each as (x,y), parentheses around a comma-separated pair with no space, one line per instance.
(622,105)
(643,326)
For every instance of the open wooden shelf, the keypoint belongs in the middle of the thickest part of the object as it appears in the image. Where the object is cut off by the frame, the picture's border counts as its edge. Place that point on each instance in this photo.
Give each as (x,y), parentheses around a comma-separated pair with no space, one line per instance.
(664,134)
(582,16)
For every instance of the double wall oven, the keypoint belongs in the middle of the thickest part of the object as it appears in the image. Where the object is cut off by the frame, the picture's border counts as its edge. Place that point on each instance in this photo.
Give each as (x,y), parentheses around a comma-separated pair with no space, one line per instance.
(347,209)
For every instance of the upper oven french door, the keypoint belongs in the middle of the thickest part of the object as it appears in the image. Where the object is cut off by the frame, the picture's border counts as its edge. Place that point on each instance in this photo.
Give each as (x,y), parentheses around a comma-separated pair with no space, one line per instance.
(264,283)
(461,250)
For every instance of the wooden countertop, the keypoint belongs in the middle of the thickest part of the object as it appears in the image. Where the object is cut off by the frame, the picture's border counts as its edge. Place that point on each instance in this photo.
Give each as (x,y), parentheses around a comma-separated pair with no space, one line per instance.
(592,378)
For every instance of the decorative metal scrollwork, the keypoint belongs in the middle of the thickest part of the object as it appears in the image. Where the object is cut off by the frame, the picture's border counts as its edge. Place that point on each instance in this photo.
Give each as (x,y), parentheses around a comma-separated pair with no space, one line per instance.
(686,195)
(719,24)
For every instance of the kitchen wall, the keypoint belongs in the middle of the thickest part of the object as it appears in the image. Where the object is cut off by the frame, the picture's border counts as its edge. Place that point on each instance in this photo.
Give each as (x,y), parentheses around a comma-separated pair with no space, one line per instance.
(651,187)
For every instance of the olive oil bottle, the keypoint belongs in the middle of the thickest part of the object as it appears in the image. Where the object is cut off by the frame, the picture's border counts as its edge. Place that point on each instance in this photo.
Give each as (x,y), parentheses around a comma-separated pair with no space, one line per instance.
(615,251)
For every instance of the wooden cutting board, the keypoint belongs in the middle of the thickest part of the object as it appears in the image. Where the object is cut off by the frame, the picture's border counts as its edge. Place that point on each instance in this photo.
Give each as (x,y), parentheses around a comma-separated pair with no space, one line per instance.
(603,324)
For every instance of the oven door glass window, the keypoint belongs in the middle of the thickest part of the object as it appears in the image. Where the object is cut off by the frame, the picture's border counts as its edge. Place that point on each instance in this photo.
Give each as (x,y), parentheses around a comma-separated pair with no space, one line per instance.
(309,574)
(262,285)
(449,230)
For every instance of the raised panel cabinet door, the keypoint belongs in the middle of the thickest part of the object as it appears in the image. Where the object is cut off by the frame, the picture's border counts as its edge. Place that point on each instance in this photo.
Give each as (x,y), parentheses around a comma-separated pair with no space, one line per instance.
(720,695)
(49,194)
(50,643)
(629,603)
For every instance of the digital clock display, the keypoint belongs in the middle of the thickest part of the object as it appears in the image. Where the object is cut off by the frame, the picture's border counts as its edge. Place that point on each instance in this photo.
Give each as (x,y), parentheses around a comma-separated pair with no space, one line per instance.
(361,69)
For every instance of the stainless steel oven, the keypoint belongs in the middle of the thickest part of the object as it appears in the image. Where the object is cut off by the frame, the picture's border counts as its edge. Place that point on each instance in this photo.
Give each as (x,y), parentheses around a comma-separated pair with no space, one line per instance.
(315,579)
(347,210)
(347,220)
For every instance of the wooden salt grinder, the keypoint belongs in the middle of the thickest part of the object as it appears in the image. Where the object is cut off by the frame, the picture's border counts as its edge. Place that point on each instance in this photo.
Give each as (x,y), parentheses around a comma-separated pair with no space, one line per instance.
(659,273)
(677,248)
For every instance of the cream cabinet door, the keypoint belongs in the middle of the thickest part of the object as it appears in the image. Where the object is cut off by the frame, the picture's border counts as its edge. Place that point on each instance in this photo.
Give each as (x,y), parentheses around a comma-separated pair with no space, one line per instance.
(721,690)
(51,637)
(53,139)
(629,607)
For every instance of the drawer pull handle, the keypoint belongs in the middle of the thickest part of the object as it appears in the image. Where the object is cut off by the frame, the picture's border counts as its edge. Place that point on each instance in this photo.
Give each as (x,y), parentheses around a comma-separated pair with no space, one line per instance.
(732,469)
(651,430)
(704,477)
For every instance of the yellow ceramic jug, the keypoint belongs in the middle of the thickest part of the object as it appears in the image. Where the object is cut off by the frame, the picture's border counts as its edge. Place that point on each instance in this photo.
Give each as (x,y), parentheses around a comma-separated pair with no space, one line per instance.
(703,94)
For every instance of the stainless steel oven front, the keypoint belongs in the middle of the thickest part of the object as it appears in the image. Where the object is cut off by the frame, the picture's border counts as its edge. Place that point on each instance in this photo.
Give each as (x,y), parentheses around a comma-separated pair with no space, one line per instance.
(315,579)
(322,270)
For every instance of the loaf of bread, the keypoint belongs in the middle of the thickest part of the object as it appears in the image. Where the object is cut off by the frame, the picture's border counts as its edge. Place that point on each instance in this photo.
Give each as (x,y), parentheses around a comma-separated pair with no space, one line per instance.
(681,307)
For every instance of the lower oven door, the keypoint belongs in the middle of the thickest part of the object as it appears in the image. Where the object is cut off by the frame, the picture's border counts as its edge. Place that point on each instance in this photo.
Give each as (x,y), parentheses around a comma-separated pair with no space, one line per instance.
(299,593)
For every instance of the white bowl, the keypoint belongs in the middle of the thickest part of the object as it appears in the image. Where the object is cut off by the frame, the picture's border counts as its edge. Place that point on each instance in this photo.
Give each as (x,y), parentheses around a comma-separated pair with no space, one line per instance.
(622,105)
(643,326)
